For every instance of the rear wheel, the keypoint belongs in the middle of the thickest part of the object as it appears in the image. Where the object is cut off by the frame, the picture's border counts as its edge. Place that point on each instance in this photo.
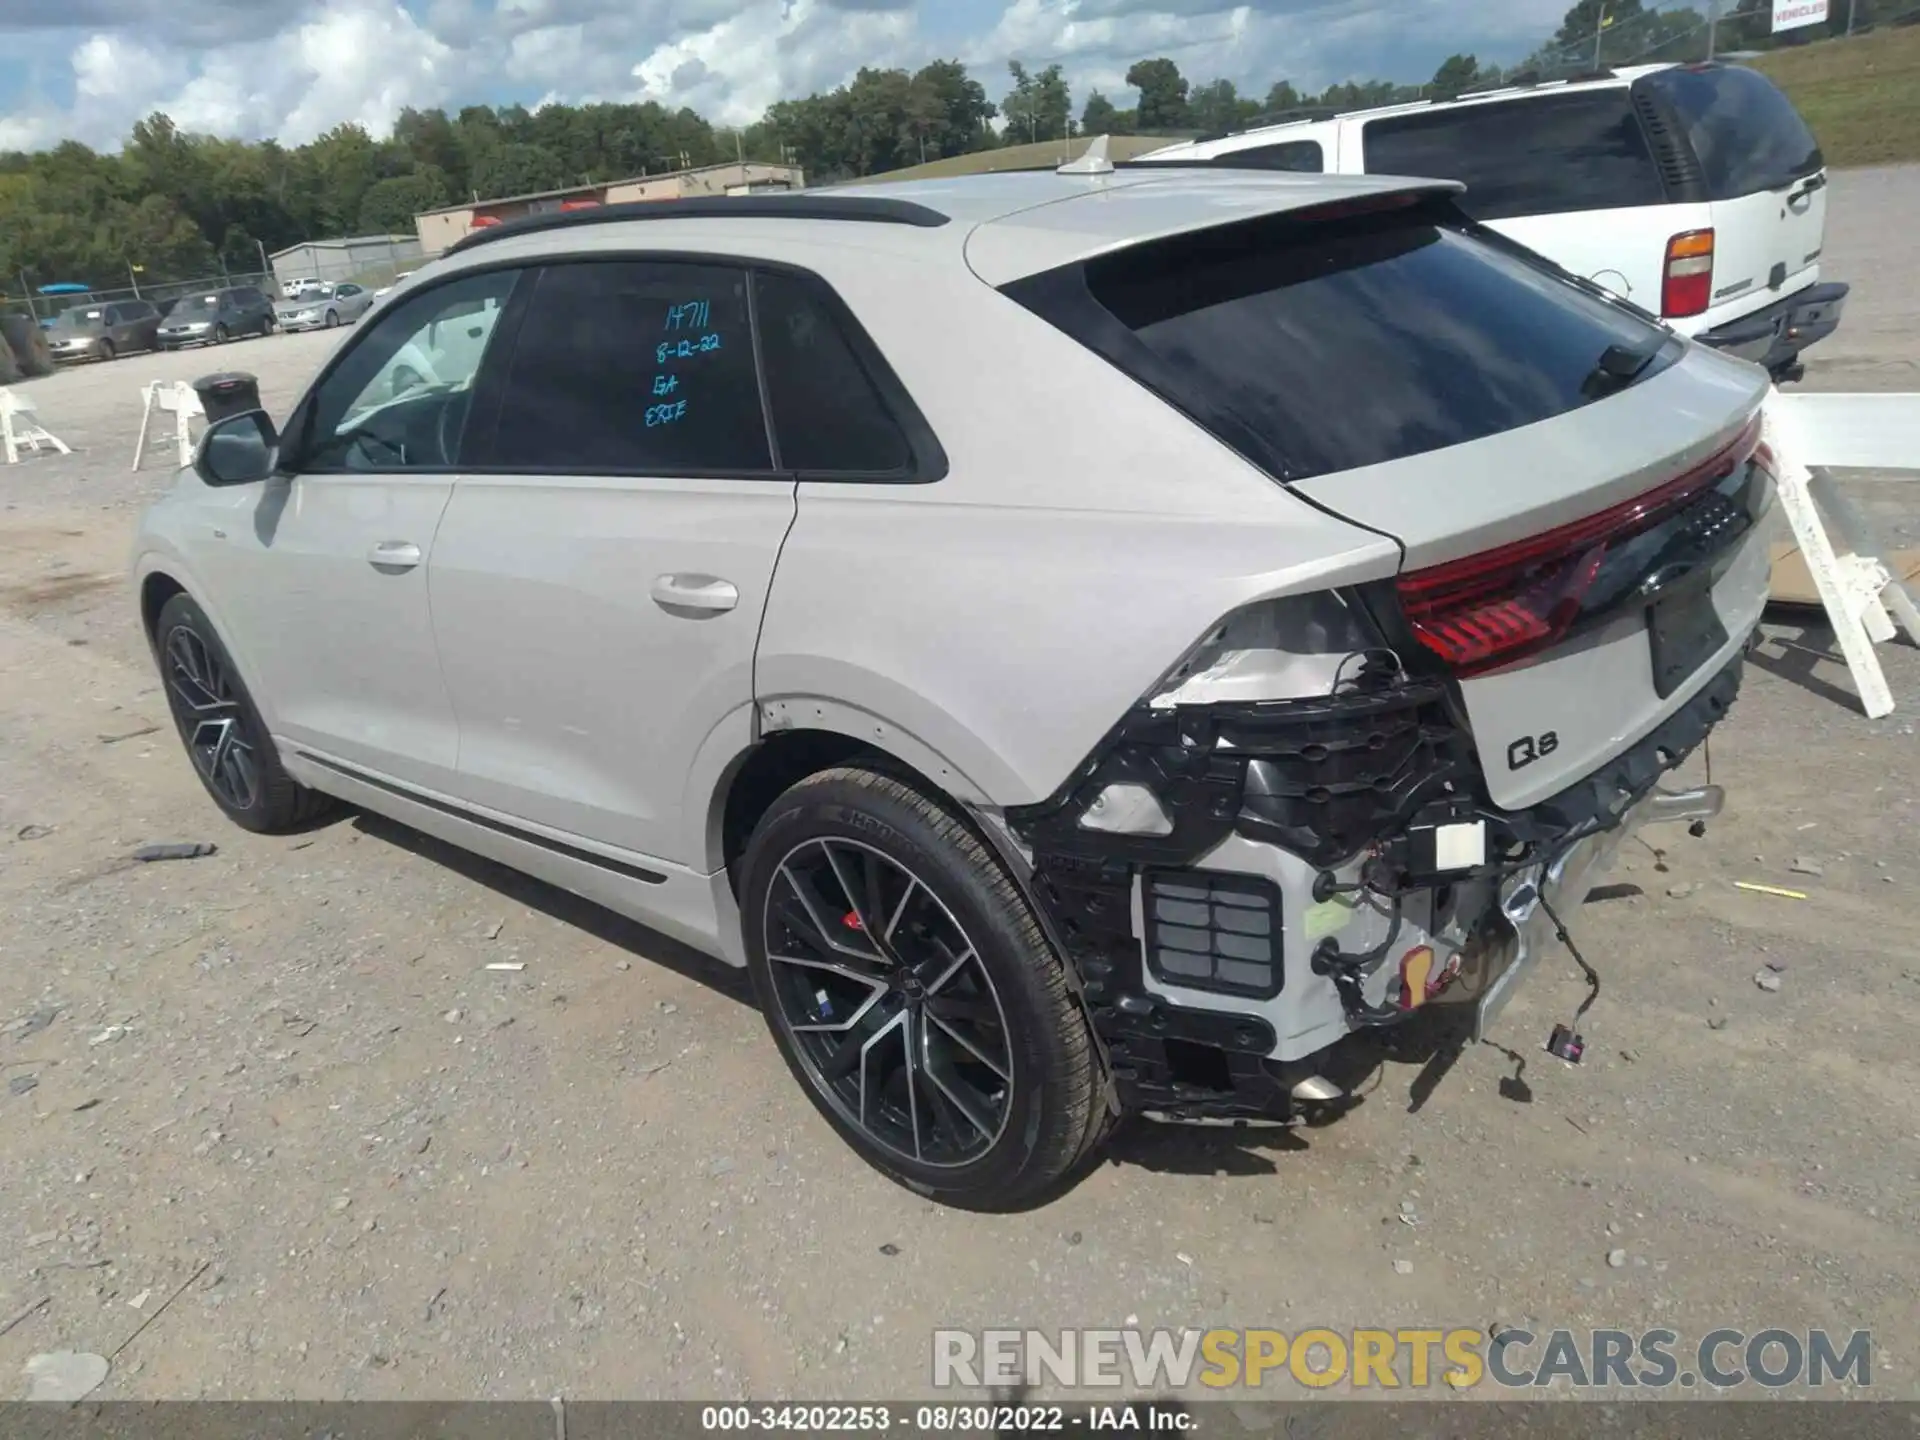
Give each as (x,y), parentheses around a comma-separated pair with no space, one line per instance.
(222,729)
(913,995)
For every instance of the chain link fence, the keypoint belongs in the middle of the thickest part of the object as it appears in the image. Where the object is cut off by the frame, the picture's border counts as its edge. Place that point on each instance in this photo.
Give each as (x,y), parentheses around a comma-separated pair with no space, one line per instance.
(44,308)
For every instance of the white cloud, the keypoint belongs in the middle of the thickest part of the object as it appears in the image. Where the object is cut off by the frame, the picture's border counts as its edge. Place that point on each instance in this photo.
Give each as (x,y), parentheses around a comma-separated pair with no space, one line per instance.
(774,49)
(300,67)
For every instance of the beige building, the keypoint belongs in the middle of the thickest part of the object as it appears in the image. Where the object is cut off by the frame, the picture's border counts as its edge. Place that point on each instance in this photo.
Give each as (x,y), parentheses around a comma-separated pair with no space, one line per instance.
(439,229)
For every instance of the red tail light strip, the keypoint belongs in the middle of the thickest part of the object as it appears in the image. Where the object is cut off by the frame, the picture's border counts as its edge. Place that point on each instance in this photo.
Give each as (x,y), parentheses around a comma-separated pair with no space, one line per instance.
(1501,605)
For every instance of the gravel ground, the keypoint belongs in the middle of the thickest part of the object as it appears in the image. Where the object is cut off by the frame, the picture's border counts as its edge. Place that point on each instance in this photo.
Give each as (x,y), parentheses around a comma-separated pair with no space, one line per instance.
(282,1078)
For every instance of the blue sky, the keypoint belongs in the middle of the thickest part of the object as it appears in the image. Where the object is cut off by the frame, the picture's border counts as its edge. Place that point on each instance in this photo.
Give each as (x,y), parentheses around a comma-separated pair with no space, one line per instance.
(86,69)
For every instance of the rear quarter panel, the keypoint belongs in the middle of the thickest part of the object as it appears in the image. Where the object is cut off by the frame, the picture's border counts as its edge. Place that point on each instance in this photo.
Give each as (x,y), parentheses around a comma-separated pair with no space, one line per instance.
(1085,536)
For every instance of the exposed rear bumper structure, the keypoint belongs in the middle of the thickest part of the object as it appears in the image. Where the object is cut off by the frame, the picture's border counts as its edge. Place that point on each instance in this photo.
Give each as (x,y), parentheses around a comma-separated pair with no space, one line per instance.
(1525,928)
(1140,916)
(1775,336)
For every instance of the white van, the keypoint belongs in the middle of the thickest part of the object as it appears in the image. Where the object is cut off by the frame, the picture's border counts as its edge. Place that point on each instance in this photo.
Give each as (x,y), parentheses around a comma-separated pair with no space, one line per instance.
(1695,191)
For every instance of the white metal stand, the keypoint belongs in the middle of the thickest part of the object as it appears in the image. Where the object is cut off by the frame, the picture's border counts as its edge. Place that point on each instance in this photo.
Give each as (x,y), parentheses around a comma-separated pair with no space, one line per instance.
(177,397)
(1862,595)
(20,426)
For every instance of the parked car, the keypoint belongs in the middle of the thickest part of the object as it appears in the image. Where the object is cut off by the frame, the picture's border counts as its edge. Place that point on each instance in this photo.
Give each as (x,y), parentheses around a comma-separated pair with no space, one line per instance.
(290,289)
(216,317)
(1281,631)
(324,307)
(1695,191)
(100,332)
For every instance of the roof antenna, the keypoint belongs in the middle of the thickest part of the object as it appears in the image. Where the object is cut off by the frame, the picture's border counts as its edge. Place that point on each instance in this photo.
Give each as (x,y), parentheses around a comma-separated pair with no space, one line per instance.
(1093,160)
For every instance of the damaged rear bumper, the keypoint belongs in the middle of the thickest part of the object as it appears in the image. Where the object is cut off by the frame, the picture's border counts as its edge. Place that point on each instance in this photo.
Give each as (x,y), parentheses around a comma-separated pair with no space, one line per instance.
(1523,927)
(1239,882)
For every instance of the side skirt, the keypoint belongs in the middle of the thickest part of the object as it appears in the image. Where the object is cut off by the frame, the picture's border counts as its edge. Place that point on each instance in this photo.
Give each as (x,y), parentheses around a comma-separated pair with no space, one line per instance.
(696,909)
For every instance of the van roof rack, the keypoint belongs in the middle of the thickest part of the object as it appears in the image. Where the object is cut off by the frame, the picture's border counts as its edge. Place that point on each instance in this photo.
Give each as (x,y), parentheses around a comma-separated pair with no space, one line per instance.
(867,209)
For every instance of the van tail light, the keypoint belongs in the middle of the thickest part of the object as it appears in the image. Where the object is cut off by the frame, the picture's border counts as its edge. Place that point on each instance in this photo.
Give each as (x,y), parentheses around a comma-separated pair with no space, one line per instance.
(1688,286)
(1502,605)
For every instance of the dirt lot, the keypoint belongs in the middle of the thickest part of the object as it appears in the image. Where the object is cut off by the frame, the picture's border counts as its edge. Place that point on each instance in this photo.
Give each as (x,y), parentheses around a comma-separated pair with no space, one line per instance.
(405,1175)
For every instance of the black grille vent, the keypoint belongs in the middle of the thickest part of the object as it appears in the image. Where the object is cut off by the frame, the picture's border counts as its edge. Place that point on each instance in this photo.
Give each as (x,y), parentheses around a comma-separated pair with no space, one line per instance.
(1212,931)
(1679,167)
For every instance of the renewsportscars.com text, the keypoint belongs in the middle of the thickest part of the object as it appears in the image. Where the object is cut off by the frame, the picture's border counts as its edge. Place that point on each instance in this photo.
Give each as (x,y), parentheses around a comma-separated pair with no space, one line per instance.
(1402,1359)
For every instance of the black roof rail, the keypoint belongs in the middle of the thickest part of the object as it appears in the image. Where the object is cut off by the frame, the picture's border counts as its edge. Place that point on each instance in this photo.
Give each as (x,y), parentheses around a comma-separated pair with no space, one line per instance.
(870,209)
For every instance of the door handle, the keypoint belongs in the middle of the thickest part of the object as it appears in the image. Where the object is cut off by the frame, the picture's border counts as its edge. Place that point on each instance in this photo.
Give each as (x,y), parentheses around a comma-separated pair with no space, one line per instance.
(706,593)
(394,555)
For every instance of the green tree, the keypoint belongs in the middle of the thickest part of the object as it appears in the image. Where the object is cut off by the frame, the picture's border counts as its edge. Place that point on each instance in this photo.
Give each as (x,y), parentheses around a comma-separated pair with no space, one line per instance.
(1215,108)
(1163,95)
(512,168)
(1456,73)
(1101,118)
(1281,97)
(392,203)
(1039,107)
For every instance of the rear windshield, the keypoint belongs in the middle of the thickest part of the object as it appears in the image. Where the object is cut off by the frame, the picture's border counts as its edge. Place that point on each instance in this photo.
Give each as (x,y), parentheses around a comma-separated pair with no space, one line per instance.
(1543,155)
(1317,348)
(1747,134)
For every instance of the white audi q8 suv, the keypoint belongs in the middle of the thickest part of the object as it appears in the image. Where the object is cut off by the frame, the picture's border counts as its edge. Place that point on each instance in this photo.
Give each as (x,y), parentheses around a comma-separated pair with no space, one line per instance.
(1088,643)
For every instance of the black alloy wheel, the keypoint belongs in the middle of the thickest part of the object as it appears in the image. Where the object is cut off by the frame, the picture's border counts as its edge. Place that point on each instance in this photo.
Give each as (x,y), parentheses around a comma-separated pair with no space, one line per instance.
(914,996)
(220,726)
(890,1008)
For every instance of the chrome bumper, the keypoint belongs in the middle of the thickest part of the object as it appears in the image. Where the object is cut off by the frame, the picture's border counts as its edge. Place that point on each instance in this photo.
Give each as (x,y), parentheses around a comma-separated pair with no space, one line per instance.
(1524,930)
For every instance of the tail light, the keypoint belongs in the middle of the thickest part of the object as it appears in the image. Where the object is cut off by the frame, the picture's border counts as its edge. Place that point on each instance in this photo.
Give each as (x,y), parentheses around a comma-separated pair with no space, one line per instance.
(1688,286)
(1502,605)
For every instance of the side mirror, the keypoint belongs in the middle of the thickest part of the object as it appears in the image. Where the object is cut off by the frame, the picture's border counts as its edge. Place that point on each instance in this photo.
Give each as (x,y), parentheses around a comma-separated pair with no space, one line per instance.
(239,450)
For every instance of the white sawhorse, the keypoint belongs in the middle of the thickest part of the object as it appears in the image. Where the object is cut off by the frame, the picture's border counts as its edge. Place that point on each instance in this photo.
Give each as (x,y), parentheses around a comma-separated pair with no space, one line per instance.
(1862,595)
(183,401)
(20,426)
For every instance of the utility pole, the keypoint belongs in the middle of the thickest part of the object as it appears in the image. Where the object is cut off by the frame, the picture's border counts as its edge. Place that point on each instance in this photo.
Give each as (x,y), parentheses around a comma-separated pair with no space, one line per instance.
(1852,5)
(1599,29)
(1713,27)
(133,274)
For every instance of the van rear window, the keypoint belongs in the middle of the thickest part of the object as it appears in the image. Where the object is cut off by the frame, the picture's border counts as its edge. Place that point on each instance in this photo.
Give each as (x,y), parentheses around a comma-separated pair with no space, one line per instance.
(1314,348)
(1746,133)
(1542,155)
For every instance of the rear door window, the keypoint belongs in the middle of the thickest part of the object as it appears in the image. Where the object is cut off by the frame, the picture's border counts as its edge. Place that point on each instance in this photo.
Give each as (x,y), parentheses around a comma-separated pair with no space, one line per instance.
(1542,155)
(634,367)
(1745,132)
(1316,348)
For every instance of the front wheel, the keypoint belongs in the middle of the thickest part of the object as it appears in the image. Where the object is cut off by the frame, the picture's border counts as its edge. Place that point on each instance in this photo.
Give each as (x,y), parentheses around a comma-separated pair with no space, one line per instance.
(332,320)
(219,334)
(913,995)
(221,727)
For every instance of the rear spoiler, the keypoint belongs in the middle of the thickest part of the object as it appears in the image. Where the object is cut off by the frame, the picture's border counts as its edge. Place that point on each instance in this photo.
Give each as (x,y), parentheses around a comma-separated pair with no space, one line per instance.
(1014,246)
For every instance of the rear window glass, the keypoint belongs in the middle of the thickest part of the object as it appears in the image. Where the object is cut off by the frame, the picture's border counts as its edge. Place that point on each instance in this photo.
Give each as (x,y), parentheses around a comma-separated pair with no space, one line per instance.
(1296,155)
(1318,348)
(1544,155)
(1746,132)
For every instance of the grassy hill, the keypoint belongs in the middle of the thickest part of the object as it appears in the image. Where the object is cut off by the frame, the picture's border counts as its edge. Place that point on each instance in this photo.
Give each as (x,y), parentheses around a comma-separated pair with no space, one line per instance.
(1043,156)
(1861,96)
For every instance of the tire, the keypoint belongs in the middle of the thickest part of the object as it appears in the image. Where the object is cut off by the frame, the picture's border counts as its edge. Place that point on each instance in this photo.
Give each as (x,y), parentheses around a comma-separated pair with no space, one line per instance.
(106,350)
(332,320)
(219,334)
(1009,1079)
(238,766)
